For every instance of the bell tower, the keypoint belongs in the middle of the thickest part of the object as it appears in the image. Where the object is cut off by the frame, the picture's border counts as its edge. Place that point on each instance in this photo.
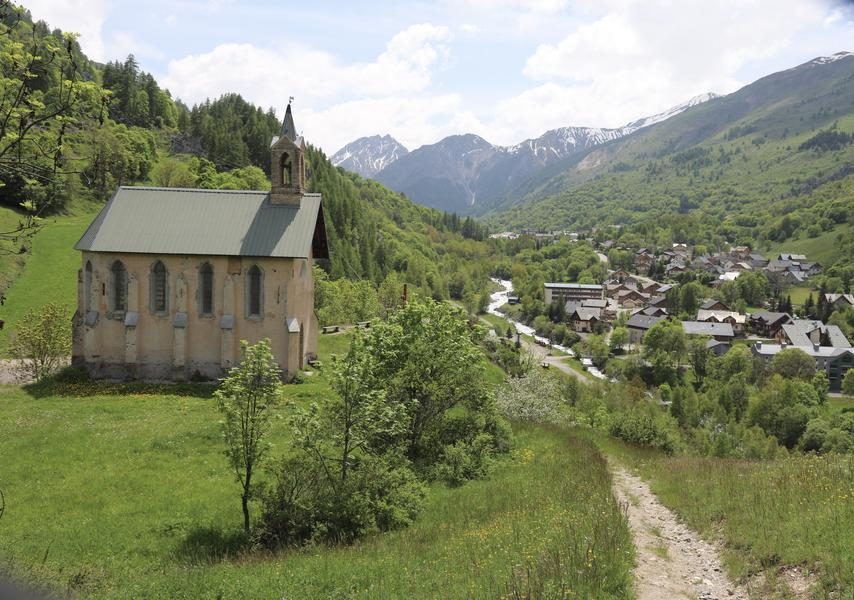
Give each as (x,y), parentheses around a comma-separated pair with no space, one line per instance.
(287,164)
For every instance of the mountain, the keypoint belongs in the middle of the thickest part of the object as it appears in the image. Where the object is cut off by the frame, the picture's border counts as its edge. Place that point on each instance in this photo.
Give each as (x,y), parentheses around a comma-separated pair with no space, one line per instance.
(369,155)
(468,175)
(771,162)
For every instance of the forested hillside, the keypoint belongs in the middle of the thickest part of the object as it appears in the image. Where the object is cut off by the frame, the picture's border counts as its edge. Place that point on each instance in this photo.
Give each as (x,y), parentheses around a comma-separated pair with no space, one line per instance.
(771,163)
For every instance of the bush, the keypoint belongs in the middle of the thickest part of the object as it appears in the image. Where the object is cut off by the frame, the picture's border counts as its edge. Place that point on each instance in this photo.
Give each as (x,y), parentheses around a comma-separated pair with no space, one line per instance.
(464,461)
(43,340)
(645,429)
(305,505)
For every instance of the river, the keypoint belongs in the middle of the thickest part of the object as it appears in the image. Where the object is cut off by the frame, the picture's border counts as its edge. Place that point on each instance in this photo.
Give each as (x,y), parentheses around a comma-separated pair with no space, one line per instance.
(499,299)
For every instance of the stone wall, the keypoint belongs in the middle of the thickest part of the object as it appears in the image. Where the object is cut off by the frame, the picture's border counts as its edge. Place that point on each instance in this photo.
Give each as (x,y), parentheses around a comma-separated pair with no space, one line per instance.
(182,342)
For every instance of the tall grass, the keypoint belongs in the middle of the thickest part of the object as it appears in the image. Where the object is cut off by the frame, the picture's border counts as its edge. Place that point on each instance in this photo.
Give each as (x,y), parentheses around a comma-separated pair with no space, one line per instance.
(796,511)
(121,492)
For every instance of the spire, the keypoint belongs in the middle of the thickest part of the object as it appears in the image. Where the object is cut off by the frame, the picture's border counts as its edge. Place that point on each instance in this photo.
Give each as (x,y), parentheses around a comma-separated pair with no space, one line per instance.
(288,129)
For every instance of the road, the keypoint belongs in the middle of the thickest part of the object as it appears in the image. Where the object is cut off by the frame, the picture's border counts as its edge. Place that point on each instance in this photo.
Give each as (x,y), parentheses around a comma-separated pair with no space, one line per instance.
(541,352)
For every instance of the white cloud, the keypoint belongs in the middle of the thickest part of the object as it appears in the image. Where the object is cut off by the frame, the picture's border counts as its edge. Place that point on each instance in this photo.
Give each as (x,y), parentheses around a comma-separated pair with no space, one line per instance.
(268,76)
(412,120)
(633,59)
(85,17)
(534,6)
(122,43)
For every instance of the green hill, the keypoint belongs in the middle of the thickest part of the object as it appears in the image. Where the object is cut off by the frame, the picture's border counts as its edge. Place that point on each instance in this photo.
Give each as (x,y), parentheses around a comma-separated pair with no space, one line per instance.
(766,165)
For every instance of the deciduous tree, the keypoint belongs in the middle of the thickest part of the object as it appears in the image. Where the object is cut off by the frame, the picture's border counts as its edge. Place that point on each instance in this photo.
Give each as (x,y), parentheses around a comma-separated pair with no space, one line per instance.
(246,399)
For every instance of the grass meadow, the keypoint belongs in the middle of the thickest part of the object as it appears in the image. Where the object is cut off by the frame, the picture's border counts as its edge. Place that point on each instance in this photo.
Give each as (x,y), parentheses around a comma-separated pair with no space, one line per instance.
(49,273)
(117,491)
(769,515)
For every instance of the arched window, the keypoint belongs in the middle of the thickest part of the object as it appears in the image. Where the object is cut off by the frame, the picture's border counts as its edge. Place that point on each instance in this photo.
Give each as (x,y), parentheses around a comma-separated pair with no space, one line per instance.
(120,286)
(287,169)
(206,289)
(254,292)
(87,286)
(158,288)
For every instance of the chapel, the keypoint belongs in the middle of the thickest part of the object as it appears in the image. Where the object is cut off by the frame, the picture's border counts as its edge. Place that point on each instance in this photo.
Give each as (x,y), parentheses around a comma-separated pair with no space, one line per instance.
(172,279)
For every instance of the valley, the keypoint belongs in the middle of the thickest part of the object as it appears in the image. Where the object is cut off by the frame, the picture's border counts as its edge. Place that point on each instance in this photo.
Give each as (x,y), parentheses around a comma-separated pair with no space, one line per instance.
(606,362)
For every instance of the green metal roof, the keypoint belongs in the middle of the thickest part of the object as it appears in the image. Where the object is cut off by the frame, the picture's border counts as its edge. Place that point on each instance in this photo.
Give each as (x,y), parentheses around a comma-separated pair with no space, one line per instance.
(149,220)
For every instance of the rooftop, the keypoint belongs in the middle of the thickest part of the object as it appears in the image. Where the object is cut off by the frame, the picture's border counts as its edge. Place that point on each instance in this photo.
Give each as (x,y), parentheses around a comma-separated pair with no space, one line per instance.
(150,220)
(574,286)
(710,329)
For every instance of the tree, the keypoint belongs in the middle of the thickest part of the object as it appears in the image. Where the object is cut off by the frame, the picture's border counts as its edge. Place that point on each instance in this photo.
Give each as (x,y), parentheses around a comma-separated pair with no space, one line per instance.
(428,361)
(699,355)
(619,337)
(245,399)
(534,397)
(43,100)
(665,345)
(43,339)
(362,421)
(690,296)
(794,363)
(848,383)
(595,347)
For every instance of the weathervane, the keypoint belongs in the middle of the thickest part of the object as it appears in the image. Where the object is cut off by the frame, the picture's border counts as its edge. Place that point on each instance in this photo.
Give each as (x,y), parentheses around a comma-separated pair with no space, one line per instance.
(290,99)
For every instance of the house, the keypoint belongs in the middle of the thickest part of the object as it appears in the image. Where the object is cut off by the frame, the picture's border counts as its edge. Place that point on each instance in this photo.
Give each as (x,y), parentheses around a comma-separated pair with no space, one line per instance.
(173,279)
(612,290)
(718,347)
(757,261)
(512,299)
(562,292)
(584,320)
(736,320)
(839,300)
(638,325)
(835,362)
(791,257)
(805,332)
(644,259)
(649,287)
(740,252)
(658,301)
(681,249)
(620,275)
(651,311)
(767,323)
(713,304)
(631,298)
(721,332)
(675,267)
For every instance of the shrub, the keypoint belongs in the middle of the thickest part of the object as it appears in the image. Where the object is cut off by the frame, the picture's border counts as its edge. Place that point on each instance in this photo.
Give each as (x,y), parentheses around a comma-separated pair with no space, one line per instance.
(534,397)
(640,427)
(464,461)
(43,340)
(305,505)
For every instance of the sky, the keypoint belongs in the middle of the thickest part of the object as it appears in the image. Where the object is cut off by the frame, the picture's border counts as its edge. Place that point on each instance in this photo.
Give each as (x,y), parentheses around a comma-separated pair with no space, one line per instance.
(507,70)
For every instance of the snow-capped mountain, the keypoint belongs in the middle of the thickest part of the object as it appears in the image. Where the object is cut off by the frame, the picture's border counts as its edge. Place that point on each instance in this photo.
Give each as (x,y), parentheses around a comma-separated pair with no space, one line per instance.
(824,60)
(368,156)
(467,174)
(663,116)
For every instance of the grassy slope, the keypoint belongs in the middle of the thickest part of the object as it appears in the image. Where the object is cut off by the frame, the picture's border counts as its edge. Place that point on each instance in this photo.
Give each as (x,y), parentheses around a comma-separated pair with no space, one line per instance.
(118,495)
(769,514)
(49,273)
(822,249)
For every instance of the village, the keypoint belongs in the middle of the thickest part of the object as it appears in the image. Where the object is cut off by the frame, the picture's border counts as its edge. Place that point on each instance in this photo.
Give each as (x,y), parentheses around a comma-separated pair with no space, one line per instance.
(634,300)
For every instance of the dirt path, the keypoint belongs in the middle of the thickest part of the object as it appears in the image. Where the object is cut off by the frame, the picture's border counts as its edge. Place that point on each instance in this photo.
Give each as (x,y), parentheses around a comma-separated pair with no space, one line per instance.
(673,562)
(555,360)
